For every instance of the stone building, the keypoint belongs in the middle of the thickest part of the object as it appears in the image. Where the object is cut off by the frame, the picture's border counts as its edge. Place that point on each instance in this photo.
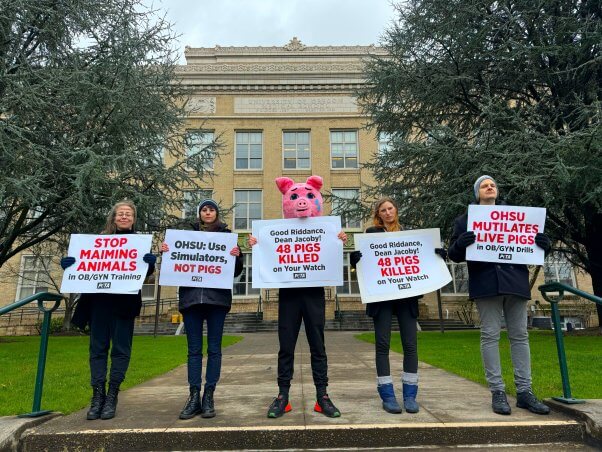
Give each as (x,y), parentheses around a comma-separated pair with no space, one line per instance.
(285,111)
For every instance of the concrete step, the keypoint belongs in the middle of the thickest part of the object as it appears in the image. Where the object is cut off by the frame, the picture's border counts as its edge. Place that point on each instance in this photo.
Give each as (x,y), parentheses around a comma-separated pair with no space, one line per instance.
(325,436)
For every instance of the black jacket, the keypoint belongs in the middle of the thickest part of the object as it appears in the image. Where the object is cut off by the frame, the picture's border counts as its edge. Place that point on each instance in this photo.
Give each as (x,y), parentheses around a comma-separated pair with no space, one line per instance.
(489,279)
(190,296)
(121,305)
(373,308)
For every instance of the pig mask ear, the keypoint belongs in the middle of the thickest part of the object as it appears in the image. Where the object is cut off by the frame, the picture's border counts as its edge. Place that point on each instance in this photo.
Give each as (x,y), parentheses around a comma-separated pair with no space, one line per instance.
(284,183)
(315,182)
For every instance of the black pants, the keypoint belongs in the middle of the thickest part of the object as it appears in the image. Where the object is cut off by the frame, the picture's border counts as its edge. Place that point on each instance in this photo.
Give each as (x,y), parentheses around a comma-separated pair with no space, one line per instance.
(106,327)
(296,304)
(406,313)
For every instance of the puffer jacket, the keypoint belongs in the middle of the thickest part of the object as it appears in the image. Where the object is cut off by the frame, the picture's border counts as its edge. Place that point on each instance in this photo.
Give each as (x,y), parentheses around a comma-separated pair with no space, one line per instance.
(489,279)
(190,296)
(373,308)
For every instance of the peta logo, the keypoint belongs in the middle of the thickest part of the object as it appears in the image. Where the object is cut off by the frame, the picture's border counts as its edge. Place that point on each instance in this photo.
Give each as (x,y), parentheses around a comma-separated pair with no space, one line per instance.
(197,278)
(404,286)
(504,257)
(299,275)
(103,285)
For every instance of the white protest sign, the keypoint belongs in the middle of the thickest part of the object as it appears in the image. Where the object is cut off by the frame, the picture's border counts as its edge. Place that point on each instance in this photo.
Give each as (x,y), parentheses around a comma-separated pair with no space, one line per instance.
(198,259)
(106,263)
(398,265)
(506,234)
(297,252)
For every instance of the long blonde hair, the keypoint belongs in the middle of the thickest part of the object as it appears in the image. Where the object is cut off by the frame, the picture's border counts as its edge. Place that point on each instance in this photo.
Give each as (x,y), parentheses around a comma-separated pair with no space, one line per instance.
(110,226)
(377,220)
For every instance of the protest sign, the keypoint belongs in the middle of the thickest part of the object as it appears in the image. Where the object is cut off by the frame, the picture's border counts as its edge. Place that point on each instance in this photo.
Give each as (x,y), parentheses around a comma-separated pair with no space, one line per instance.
(107,263)
(506,234)
(398,265)
(297,252)
(198,259)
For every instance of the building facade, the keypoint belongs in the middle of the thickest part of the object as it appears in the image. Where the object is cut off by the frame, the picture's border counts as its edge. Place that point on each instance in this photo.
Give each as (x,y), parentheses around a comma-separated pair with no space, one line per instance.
(283,111)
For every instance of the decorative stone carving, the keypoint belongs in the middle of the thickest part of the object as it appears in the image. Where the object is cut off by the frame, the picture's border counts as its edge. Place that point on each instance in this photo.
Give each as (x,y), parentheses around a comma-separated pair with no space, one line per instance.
(295,45)
(198,104)
(313,104)
(273,67)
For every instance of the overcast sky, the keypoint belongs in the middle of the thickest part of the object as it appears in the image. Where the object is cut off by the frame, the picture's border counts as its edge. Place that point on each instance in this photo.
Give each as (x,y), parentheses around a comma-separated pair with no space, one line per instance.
(205,23)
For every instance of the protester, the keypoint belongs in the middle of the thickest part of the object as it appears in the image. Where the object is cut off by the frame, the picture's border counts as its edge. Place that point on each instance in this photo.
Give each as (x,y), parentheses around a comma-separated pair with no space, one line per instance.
(301,304)
(501,292)
(199,305)
(385,219)
(111,319)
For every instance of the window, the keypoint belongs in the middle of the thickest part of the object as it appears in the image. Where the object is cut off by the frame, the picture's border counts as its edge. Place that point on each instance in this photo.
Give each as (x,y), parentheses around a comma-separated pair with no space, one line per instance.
(192,198)
(459,283)
(149,289)
(384,142)
(350,285)
(339,197)
(33,276)
(201,142)
(557,268)
(249,150)
(343,149)
(295,150)
(247,207)
(242,283)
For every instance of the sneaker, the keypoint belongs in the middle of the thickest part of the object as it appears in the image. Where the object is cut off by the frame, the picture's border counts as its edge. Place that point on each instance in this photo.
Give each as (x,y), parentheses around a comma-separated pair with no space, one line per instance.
(499,403)
(279,406)
(528,401)
(325,406)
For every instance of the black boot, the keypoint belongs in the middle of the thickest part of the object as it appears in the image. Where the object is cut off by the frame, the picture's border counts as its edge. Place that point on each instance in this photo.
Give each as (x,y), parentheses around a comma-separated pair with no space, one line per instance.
(193,404)
(108,410)
(98,401)
(207,408)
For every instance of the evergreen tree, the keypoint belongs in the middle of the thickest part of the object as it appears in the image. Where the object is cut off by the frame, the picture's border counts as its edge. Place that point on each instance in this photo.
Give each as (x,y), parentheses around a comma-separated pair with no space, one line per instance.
(91,112)
(511,89)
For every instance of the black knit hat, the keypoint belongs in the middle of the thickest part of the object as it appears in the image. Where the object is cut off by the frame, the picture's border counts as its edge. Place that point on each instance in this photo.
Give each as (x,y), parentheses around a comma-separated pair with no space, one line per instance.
(208,202)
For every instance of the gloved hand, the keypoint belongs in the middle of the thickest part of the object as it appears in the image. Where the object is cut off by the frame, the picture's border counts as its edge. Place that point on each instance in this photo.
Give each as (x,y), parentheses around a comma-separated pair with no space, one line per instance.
(543,241)
(149,258)
(354,258)
(67,262)
(441,252)
(466,239)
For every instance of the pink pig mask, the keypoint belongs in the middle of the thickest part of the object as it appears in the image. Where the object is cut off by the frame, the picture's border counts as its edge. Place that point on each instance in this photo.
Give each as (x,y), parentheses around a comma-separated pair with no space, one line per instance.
(300,200)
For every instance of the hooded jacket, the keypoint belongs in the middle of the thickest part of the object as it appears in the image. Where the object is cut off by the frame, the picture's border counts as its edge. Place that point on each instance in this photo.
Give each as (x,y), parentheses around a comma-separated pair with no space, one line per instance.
(191,296)
(489,279)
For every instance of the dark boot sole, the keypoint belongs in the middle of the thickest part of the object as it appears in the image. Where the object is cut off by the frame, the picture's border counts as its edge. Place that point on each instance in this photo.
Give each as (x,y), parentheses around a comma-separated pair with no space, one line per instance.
(208,415)
(92,417)
(107,417)
(188,416)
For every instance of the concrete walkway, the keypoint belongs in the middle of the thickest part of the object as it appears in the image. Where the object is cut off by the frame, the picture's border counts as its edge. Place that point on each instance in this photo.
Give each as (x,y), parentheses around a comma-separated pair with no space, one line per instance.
(452,410)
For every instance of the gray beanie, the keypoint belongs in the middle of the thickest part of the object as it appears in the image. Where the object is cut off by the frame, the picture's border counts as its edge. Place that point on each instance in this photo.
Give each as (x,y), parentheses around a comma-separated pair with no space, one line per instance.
(478,183)
(208,202)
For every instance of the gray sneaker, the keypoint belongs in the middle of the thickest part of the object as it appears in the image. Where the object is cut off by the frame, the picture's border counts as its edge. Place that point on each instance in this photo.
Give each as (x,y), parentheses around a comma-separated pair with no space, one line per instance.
(499,403)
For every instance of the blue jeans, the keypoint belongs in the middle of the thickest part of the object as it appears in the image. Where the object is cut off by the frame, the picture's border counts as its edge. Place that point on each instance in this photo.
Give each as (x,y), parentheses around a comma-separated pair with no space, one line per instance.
(194,317)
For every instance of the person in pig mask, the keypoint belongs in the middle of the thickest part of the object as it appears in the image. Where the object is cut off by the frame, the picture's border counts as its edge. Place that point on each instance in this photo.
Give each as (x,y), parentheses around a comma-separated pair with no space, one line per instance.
(296,304)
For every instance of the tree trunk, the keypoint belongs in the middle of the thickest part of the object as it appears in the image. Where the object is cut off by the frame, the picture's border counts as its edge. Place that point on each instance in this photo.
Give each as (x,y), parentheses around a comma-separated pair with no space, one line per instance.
(593,228)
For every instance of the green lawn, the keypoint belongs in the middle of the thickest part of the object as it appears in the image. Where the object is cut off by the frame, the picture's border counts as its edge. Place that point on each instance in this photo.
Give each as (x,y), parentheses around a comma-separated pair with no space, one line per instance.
(458,352)
(67,378)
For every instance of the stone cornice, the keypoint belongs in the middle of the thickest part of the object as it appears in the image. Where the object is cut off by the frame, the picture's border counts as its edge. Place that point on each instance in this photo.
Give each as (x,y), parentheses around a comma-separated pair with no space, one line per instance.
(293,47)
